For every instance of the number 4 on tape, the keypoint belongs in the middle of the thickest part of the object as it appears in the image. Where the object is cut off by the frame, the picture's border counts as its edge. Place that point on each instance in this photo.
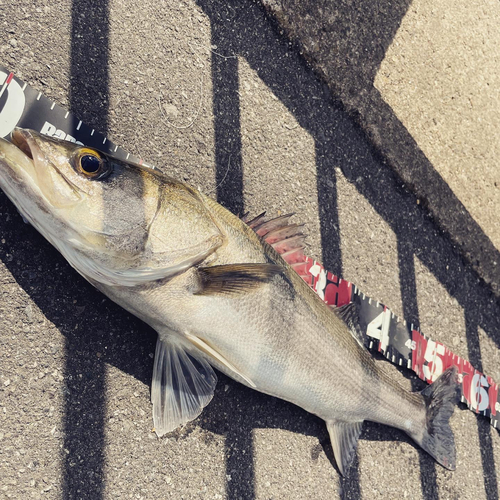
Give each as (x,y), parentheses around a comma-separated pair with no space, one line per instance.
(378,329)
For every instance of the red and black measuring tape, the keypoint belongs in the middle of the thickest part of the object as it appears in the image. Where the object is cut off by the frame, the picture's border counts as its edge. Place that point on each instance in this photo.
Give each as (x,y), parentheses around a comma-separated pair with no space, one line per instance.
(401,343)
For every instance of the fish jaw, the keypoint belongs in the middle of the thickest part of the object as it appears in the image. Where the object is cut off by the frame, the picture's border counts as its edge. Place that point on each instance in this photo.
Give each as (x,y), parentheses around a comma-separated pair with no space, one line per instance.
(32,182)
(44,170)
(18,179)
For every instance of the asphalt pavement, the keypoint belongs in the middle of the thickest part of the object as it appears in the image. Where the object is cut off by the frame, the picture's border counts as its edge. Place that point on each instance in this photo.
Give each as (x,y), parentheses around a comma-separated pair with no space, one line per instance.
(218,95)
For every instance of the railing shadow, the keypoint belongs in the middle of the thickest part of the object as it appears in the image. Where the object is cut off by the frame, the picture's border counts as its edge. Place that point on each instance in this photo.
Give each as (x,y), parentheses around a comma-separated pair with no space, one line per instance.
(245,30)
(247,33)
(483,427)
(346,42)
(84,374)
(408,286)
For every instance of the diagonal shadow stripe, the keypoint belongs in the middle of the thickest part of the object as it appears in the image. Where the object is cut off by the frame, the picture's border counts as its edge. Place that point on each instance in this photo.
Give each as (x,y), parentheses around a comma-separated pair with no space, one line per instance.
(345,43)
(408,285)
(85,376)
(483,427)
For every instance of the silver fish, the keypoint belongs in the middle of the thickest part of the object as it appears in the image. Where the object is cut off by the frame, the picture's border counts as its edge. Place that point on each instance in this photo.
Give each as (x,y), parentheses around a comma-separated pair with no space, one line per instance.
(217,294)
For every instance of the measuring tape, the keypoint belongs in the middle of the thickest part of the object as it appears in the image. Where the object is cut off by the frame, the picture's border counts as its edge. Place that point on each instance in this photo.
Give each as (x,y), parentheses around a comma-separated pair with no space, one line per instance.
(402,343)
(399,342)
(22,106)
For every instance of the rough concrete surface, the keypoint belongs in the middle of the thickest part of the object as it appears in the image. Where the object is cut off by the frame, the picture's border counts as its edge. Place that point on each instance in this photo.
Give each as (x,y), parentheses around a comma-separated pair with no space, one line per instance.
(213,94)
(421,78)
(446,91)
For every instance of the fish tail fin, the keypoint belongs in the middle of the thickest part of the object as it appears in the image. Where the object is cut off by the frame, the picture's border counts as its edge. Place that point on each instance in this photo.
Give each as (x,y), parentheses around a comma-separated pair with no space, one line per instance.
(440,400)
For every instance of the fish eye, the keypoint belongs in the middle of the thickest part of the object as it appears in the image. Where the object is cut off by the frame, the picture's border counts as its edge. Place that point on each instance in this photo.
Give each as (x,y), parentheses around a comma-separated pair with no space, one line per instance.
(90,163)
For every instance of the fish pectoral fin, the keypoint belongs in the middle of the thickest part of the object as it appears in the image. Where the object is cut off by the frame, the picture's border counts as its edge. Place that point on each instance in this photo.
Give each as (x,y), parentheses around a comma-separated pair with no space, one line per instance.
(217,356)
(344,438)
(349,314)
(234,278)
(183,384)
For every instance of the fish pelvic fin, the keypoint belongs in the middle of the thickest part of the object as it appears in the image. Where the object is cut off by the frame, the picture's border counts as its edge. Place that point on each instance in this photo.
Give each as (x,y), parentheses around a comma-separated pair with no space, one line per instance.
(344,438)
(183,384)
(440,400)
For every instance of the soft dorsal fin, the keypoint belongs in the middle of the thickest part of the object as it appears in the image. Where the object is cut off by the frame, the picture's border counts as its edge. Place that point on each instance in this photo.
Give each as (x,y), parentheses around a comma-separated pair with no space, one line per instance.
(183,384)
(349,314)
(287,239)
(344,438)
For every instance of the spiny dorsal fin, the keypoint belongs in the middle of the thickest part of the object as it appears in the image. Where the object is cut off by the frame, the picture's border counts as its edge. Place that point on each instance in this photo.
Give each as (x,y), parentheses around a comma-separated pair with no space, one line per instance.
(234,278)
(288,244)
(255,221)
(266,226)
(286,238)
(344,438)
(284,232)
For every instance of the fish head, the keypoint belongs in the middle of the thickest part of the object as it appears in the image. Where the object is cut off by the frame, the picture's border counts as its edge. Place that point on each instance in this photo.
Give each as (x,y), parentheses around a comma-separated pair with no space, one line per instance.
(116,222)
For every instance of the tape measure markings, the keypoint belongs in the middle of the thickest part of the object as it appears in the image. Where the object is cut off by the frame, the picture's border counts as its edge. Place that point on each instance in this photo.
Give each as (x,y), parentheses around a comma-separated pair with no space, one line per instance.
(403,343)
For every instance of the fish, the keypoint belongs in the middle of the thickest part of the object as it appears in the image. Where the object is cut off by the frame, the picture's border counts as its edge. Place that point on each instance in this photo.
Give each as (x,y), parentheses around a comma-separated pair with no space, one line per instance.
(221,292)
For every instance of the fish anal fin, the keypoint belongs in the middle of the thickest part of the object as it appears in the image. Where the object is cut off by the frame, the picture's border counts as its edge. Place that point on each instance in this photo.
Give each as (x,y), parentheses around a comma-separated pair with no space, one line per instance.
(210,351)
(183,384)
(234,278)
(344,438)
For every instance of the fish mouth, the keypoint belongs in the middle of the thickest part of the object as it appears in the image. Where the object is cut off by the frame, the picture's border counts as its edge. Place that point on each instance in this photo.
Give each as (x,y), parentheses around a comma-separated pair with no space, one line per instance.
(32,169)
(17,168)
(20,138)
